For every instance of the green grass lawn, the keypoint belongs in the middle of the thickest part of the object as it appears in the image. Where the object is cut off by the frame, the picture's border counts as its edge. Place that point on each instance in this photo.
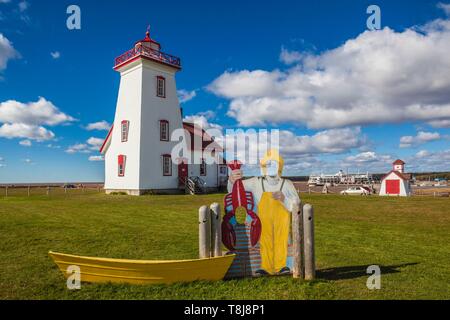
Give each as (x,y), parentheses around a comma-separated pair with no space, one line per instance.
(408,238)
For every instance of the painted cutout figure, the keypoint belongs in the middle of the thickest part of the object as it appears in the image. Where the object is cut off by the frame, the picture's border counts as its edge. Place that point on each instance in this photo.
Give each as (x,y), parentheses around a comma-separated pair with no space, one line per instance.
(274,199)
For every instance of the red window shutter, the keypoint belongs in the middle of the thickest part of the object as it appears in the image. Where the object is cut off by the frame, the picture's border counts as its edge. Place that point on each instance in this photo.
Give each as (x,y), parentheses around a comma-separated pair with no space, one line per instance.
(121,159)
(125,128)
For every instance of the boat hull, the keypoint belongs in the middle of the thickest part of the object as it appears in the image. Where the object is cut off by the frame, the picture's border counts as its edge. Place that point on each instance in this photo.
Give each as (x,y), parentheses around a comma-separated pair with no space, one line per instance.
(143,272)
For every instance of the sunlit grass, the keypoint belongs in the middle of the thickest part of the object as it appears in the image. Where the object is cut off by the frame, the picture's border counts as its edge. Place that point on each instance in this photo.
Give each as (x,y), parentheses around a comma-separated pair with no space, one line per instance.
(408,238)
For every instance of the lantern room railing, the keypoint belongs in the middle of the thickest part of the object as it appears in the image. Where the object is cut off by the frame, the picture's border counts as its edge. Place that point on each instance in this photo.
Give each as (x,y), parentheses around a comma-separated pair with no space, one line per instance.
(153,54)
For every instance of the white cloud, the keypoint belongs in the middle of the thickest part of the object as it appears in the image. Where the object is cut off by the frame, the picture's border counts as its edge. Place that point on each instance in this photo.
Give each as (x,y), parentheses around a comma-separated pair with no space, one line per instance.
(41,112)
(445,7)
(426,161)
(55,55)
(27,120)
(7,52)
(95,143)
(185,96)
(290,57)
(421,138)
(379,77)
(96,158)
(440,123)
(422,154)
(368,161)
(368,157)
(26,143)
(203,120)
(78,148)
(101,125)
(331,141)
(23,6)
(92,144)
(52,146)
(21,130)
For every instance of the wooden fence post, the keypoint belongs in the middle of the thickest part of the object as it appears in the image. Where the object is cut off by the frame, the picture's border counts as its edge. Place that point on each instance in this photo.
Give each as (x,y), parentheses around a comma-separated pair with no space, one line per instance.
(48,190)
(6,191)
(297,239)
(308,227)
(204,229)
(28,191)
(216,231)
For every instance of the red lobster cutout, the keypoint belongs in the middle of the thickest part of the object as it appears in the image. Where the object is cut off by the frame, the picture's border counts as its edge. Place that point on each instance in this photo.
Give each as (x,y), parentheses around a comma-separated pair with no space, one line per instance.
(236,199)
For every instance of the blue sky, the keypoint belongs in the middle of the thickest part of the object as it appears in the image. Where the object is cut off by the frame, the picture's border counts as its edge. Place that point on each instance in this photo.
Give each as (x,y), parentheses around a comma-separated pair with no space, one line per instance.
(293,46)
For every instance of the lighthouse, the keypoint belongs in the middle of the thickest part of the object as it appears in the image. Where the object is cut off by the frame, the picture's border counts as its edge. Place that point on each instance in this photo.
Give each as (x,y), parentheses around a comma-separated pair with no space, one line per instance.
(147,112)
(138,147)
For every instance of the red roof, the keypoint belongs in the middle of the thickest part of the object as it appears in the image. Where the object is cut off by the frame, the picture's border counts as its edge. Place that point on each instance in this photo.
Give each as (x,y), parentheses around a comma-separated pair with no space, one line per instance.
(148,39)
(107,139)
(403,176)
(398,162)
(195,130)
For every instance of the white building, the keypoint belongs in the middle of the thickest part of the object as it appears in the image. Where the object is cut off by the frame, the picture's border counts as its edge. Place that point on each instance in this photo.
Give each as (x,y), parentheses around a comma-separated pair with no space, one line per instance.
(396,182)
(138,148)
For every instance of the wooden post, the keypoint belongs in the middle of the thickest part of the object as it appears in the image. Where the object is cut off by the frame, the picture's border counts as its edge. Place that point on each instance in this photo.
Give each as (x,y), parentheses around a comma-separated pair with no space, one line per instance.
(28,191)
(204,229)
(48,191)
(297,231)
(216,231)
(6,191)
(308,227)
(65,189)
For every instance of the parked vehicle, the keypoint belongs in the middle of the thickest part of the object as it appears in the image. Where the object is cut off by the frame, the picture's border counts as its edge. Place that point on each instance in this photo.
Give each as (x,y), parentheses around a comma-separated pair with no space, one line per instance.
(361,191)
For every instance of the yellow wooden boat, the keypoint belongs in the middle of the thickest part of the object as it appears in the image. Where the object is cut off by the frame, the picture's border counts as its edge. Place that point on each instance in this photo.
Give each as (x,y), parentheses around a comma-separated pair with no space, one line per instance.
(103,270)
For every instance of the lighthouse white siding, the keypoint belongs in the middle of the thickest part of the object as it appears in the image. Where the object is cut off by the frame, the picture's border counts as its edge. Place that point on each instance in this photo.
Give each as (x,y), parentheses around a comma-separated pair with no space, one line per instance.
(155,109)
(129,103)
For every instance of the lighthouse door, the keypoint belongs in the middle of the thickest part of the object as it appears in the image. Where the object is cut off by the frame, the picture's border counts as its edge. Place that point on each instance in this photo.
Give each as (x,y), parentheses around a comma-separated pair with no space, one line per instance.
(182,172)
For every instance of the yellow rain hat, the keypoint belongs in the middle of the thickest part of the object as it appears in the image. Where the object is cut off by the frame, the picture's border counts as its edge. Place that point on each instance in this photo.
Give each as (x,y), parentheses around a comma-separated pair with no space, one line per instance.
(272,155)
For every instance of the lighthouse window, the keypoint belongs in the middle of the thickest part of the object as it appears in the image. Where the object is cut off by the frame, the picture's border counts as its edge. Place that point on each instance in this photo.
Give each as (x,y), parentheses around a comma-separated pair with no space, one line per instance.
(161,87)
(121,165)
(167,165)
(203,168)
(164,130)
(125,129)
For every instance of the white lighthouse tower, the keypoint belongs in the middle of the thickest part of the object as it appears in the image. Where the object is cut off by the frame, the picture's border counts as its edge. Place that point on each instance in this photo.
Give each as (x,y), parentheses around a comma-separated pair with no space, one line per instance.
(138,147)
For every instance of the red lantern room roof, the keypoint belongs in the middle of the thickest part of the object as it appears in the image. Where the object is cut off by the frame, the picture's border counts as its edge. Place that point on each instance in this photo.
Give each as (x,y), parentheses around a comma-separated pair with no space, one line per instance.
(153,53)
(148,39)
(398,162)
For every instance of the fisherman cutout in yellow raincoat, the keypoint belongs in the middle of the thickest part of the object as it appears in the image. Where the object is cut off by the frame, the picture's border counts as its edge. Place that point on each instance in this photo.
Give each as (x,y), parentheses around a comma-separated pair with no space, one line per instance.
(275,199)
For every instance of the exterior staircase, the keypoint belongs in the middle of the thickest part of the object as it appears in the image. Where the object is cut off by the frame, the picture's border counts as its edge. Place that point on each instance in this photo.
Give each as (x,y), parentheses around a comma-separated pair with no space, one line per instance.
(193,185)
